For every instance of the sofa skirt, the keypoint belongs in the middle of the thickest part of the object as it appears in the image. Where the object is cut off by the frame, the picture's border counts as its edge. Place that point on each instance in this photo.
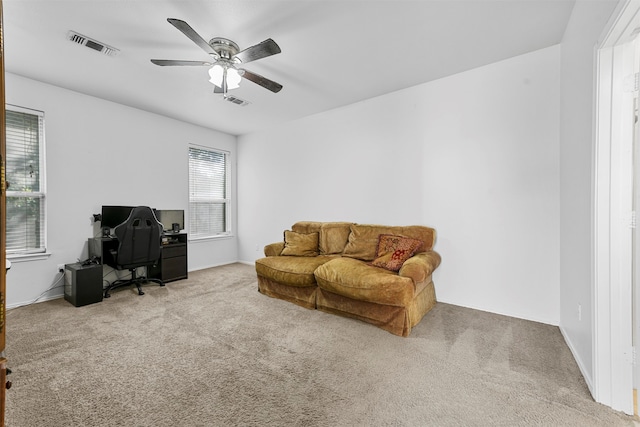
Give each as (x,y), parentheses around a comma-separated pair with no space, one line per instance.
(302,296)
(399,320)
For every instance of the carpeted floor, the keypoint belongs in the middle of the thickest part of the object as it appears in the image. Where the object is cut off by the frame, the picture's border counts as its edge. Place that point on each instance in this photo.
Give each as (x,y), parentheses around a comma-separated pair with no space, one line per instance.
(212,351)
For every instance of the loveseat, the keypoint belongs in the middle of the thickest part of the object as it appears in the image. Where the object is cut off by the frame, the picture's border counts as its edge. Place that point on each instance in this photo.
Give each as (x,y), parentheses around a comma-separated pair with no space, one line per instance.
(375,273)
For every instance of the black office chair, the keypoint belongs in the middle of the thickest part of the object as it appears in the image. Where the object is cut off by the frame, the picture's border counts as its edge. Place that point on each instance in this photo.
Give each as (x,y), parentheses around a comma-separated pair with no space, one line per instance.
(139,245)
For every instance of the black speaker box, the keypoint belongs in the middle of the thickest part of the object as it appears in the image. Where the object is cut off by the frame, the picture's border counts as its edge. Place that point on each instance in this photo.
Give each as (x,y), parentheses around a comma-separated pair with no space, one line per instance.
(83,283)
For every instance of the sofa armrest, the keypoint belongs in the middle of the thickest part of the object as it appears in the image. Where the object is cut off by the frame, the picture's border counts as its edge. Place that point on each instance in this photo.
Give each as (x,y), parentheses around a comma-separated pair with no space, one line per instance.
(420,266)
(273,249)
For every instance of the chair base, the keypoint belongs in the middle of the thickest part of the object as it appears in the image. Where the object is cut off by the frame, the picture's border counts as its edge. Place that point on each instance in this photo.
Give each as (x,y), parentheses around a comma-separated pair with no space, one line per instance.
(134,280)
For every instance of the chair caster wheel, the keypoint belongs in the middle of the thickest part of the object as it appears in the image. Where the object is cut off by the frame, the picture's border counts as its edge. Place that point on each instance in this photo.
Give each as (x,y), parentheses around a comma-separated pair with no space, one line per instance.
(140,293)
(107,295)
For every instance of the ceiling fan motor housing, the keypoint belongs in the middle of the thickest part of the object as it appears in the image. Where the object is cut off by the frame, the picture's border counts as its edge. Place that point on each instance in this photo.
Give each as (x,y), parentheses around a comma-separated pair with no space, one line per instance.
(226,48)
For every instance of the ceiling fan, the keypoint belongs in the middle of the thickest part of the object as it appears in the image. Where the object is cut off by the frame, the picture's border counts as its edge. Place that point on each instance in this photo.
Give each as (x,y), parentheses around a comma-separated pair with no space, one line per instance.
(225,72)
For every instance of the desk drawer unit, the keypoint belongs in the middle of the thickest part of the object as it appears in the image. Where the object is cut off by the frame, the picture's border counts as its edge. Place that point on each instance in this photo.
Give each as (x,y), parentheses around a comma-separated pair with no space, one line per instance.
(172,264)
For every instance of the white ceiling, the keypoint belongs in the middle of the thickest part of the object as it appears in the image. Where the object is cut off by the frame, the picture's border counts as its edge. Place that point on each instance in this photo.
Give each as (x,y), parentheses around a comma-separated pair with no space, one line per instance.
(334,53)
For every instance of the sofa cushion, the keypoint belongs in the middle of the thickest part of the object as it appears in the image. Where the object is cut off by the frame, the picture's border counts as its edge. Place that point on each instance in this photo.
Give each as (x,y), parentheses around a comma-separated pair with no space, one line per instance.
(363,239)
(334,237)
(299,244)
(358,280)
(307,227)
(292,271)
(394,250)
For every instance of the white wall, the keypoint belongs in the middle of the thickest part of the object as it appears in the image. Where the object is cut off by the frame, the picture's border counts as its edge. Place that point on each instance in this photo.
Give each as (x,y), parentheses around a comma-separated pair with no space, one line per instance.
(474,155)
(586,24)
(99,152)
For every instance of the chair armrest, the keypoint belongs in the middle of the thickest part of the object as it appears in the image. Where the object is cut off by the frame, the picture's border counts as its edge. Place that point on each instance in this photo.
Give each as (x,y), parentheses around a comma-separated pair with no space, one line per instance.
(420,266)
(273,249)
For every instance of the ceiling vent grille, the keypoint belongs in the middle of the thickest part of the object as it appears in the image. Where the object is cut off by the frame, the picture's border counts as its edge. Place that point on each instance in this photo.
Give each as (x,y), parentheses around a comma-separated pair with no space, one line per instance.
(92,44)
(236,101)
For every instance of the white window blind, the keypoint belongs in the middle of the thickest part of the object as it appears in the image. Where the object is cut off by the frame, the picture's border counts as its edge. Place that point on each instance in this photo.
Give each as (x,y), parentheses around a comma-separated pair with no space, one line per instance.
(24,174)
(209,202)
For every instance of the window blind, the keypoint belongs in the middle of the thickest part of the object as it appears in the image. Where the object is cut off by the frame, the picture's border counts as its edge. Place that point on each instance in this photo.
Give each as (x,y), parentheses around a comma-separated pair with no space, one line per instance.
(208,193)
(24,174)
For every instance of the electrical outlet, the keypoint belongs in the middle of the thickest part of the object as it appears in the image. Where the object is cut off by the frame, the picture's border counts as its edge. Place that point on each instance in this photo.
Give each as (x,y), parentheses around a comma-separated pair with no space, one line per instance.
(257,248)
(579,312)
(60,268)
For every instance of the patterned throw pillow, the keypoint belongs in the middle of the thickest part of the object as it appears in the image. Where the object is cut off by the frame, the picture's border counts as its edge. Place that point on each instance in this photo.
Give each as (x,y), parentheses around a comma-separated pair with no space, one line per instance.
(393,251)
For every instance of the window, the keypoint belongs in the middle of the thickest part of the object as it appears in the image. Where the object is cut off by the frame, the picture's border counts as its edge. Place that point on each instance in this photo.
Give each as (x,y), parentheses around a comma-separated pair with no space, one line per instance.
(209,204)
(25,181)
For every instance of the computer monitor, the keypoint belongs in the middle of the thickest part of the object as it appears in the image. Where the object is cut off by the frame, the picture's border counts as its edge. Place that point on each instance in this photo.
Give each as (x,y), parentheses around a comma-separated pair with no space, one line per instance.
(114,215)
(170,217)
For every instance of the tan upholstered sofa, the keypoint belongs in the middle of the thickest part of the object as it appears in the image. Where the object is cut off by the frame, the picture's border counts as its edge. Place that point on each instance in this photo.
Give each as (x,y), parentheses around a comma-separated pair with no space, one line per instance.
(354,270)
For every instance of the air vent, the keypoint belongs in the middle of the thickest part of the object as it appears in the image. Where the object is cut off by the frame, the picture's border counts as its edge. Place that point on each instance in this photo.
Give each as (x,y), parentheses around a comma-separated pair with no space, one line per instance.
(236,101)
(92,44)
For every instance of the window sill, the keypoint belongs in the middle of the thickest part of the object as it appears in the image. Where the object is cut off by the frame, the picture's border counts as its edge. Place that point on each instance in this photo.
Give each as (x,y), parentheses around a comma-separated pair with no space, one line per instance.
(210,238)
(28,257)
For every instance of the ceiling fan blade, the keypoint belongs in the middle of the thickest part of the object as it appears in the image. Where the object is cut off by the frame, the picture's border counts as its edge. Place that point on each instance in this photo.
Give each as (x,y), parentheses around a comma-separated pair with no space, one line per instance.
(262,81)
(163,62)
(261,50)
(195,37)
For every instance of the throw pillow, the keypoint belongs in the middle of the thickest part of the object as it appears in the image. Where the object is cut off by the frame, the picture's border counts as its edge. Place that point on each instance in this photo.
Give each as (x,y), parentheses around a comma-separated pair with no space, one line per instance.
(393,251)
(299,244)
(363,241)
(333,237)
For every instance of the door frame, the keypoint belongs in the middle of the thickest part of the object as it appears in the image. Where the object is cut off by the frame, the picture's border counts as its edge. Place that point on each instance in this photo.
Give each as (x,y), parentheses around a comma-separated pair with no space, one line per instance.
(612,298)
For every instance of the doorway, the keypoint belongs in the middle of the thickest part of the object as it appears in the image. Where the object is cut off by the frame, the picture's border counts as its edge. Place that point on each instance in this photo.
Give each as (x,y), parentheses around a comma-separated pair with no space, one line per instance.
(616,286)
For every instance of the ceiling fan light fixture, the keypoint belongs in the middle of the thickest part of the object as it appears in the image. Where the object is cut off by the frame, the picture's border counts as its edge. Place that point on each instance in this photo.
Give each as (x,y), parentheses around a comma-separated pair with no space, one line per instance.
(233,78)
(217,74)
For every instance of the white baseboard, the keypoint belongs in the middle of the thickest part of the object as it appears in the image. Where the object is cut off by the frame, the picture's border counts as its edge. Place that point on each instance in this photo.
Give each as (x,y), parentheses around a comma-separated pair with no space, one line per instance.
(551,322)
(204,267)
(585,373)
(43,299)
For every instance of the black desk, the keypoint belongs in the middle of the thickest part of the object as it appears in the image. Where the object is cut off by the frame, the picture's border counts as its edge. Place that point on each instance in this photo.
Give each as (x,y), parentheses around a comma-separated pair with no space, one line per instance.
(173,258)
(172,264)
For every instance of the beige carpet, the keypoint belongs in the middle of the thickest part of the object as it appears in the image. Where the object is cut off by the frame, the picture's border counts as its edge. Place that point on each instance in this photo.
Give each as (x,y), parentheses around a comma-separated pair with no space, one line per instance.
(212,351)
